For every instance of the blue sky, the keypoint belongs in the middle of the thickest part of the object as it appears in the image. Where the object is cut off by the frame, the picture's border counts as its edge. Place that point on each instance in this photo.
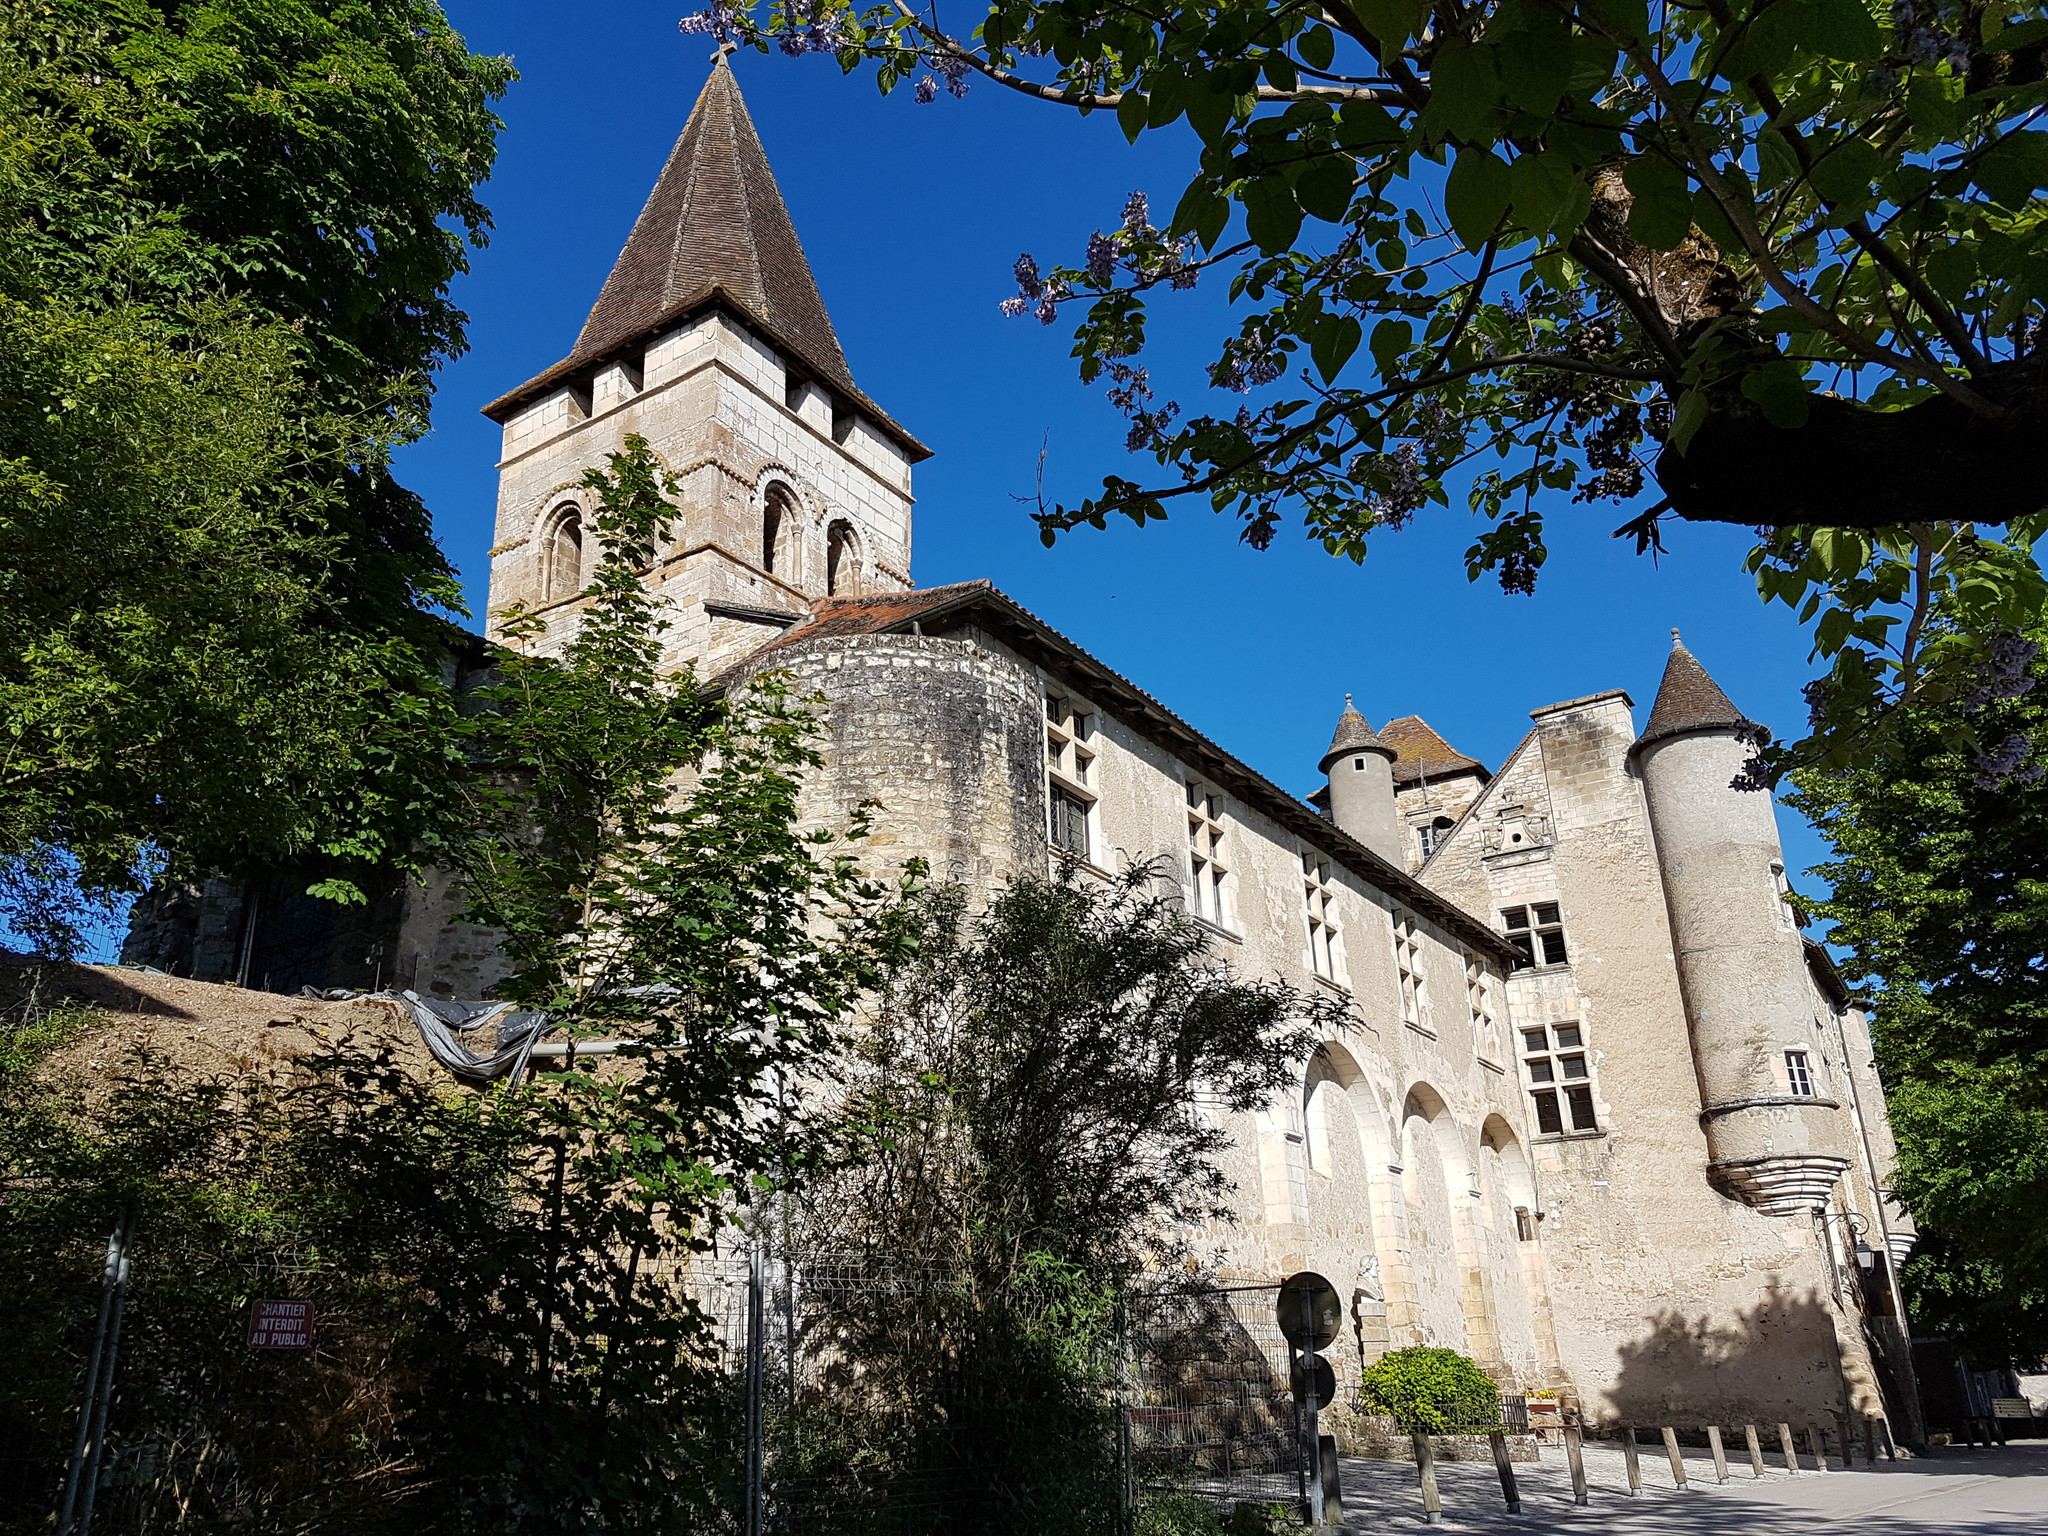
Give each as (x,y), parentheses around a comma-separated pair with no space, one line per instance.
(912,216)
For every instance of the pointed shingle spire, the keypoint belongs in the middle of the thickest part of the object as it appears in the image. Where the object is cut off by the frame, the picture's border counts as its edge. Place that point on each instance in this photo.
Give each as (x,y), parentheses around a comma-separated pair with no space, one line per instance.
(716,219)
(1689,700)
(714,227)
(1354,734)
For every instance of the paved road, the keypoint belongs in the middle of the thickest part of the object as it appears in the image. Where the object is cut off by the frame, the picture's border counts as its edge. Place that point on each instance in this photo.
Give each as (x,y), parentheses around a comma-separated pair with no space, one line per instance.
(2002,1492)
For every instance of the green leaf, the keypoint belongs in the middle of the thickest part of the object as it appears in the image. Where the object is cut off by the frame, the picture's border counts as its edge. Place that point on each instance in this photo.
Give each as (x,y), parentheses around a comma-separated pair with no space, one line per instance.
(1202,213)
(1463,91)
(1845,30)
(1952,269)
(1324,188)
(1133,113)
(1779,390)
(1847,172)
(1536,68)
(2014,168)
(1332,342)
(1271,215)
(1547,192)
(1690,416)
(1393,22)
(1391,340)
(1661,216)
(1318,48)
(1476,195)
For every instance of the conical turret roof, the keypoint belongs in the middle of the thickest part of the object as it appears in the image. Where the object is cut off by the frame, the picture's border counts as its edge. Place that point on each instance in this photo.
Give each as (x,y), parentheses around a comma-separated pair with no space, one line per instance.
(1689,700)
(714,228)
(1354,734)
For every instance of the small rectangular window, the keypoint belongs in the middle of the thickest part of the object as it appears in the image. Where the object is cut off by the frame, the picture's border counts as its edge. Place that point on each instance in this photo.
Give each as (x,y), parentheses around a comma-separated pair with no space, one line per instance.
(1798,1074)
(1540,1071)
(1408,970)
(1525,1224)
(1069,823)
(1547,1120)
(1532,1040)
(1208,861)
(1572,1066)
(1568,1037)
(1580,1097)
(1537,934)
(1319,897)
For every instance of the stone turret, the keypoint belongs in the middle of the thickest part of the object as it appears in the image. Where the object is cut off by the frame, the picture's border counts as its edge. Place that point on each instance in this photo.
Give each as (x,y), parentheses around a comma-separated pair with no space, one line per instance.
(1769,1118)
(1360,768)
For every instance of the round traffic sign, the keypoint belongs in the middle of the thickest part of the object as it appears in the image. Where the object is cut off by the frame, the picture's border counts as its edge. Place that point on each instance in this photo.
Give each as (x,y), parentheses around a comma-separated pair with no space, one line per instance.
(1308,1311)
(1325,1381)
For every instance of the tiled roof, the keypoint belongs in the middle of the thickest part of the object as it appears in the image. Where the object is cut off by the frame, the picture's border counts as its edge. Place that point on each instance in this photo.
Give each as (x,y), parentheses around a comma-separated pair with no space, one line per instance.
(937,610)
(715,227)
(1354,734)
(1419,753)
(1689,700)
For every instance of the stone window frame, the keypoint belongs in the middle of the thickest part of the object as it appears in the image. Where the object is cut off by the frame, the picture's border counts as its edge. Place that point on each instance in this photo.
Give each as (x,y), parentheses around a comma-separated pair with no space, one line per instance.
(1801,1080)
(1210,894)
(1430,834)
(1480,1001)
(845,573)
(1325,953)
(1558,1068)
(1411,980)
(563,516)
(784,560)
(1532,936)
(1071,724)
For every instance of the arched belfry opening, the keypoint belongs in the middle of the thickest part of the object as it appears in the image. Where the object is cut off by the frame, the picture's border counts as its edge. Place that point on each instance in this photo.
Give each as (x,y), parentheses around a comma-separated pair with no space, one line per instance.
(562,553)
(779,532)
(842,560)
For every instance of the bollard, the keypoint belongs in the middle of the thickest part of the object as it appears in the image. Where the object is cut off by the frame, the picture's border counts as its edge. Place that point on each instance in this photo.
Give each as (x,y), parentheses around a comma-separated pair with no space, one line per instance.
(1720,1455)
(1576,1456)
(1891,1451)
(1817,1442)
(1756,1450)
(1506,1469)
(1791,1451)
(1677,1461)
(1333,1483)
(1628,1453)
(1869,1440)
(1425,1463)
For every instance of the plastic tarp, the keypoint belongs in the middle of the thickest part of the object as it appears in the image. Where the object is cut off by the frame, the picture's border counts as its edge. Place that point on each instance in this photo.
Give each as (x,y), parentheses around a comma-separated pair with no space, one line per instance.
(447,1027)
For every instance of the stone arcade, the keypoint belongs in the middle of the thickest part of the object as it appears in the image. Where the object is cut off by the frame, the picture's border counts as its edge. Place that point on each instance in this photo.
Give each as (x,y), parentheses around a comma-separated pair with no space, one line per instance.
(1602,1118)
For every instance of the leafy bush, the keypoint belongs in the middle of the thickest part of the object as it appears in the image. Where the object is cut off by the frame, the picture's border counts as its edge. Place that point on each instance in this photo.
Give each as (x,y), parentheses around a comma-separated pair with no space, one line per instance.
(1433,1391)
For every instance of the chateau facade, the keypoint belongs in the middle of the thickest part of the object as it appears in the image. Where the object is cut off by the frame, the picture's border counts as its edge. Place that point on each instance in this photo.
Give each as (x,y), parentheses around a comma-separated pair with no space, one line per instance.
(1600,1116)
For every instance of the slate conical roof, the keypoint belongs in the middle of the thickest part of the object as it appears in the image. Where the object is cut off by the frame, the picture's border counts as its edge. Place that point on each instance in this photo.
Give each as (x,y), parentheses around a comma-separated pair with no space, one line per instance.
(1354,734)
(1689,700)
(714,227)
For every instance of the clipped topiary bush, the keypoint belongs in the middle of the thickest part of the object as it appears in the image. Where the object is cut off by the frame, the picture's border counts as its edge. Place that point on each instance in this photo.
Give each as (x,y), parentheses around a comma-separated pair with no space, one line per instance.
(1432,1391)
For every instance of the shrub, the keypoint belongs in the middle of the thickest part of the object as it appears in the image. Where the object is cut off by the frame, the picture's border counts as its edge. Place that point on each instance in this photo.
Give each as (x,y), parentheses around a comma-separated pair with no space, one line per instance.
(1434,1391)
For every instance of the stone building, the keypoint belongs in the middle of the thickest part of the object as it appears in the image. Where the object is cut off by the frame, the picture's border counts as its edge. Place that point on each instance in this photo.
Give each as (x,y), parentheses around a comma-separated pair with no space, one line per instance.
(1600,1117)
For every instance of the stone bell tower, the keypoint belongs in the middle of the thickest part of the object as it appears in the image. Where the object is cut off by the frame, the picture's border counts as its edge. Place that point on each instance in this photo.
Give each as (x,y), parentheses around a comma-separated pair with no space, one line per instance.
(709,339)
(1770,1122)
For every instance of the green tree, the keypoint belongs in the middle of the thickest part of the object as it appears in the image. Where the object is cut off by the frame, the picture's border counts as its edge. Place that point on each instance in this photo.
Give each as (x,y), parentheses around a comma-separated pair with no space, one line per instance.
(1771,262)
(1436,1391)
(1939,897)
(227,231)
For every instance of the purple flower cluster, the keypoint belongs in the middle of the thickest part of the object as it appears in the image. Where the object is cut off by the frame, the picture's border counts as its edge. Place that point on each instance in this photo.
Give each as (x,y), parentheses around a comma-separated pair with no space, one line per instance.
(1401,492)
(954,68)
(1130,392)
(1101,258)
(1034,293)
(926,90)
(1930,34)
(2010,672)
(1816,695)
(718,19)
(1249,361)
(2008,761)
(1138,215)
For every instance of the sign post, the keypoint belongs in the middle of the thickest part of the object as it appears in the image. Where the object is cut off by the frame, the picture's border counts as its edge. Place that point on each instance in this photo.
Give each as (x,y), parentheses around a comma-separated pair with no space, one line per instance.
(281,1325)
(1309,1314)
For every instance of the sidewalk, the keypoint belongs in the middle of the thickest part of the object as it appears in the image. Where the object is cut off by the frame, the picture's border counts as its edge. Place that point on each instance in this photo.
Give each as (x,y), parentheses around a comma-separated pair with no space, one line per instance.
(2002,1492)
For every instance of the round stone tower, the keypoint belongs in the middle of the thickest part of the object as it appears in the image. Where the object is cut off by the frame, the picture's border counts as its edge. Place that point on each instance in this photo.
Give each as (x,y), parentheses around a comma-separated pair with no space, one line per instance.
(1360,768)
(1771,1126)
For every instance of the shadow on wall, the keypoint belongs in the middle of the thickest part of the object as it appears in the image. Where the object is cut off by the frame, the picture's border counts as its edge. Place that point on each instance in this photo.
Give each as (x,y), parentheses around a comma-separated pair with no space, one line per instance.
(1777,1361)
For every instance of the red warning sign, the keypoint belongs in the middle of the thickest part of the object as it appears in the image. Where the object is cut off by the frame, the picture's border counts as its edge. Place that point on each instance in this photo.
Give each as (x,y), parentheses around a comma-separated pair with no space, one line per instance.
(281,1325)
